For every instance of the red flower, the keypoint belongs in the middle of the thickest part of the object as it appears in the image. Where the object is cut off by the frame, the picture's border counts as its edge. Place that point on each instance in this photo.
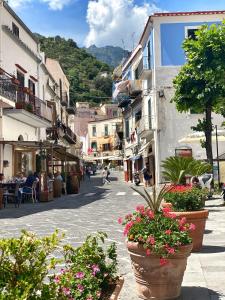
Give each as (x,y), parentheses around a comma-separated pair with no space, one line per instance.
(182,221)
(150,213)
(192,227)
(168,231)
(170,250)
(151,240)
(138,220)
(128,227)
(120,220)
(163,261)
(148,252)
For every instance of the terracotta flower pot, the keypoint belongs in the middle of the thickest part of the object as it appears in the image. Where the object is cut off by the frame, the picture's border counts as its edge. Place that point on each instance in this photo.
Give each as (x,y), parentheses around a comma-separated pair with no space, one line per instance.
(155,281)
(198,218)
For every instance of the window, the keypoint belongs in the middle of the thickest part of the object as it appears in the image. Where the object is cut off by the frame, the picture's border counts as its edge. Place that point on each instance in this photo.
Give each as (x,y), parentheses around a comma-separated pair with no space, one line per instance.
(94,131)
(31,86)
(115,113)
(106,131)
(94,146)
(190,32)
(15,30)
(127,128)
(106,147)
(138,116)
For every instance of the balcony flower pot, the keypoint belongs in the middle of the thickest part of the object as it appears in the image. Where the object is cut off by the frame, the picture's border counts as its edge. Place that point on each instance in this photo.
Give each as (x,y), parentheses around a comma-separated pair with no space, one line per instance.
(15,81)
(158,247)
(188,205)
(20,105)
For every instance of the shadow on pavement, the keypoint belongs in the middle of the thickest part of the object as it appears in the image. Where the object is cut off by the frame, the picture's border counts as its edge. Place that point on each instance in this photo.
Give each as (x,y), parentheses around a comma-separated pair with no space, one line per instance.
(65,202)
(198,293)
(212,249)
(207,231)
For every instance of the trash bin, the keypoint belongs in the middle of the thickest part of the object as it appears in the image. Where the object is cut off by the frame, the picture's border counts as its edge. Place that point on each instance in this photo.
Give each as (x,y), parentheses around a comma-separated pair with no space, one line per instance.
(57,188)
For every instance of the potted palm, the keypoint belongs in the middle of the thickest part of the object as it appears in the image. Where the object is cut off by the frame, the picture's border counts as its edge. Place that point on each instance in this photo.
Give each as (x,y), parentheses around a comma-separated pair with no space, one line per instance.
(159,245)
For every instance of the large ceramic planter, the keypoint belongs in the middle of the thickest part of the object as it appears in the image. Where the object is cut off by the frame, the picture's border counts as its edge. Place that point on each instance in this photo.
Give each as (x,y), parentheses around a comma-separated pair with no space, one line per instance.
(117,289)
(198,218)
(155,281)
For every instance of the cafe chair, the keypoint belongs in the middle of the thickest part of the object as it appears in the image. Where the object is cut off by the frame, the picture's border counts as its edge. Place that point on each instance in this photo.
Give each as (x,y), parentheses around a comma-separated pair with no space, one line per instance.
(14,195)
(27,191)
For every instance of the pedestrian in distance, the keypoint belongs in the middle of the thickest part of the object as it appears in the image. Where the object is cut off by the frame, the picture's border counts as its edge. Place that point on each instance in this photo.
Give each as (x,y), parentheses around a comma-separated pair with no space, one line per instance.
(147,176)
(105,176)
(88,173)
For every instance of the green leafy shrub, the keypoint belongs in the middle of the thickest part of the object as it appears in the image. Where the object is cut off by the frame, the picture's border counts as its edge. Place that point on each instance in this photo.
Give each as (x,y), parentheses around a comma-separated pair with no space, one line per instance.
(89,270)
(186,198)
(24,265)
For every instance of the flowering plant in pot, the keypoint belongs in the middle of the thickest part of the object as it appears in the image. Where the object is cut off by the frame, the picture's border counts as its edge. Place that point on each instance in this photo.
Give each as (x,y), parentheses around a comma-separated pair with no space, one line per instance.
(188,202)
(158,244)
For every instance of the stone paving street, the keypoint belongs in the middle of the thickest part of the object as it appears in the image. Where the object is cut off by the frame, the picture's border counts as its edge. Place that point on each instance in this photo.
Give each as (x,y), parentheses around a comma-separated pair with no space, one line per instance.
(98,207)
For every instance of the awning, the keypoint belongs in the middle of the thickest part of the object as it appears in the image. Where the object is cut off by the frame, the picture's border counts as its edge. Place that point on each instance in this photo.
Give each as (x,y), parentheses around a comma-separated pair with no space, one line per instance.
(59,152)
(196,137)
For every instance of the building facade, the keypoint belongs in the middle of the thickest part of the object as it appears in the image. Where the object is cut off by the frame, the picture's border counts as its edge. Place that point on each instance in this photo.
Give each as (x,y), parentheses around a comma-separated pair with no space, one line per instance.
(157,59)
(105,140)
(32,98)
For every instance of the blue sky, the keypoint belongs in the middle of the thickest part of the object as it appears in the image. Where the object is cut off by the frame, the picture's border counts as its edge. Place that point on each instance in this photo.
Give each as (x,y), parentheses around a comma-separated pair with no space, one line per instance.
(100,22)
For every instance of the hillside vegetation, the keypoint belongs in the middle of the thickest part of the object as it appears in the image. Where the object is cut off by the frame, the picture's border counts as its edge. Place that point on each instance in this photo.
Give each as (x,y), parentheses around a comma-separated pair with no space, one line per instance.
(82,69)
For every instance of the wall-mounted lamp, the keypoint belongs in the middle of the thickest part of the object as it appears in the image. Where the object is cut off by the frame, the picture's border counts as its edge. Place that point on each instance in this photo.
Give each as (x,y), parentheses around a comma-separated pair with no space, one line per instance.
(161,93)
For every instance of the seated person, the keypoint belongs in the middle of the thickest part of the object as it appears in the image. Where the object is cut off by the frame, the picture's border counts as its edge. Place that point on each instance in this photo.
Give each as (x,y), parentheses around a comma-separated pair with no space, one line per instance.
(58,176)
(29,182)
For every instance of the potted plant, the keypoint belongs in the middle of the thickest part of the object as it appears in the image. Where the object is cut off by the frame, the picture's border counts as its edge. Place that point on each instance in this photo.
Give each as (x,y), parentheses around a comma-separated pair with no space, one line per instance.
(15,81)
(188,203)
(159,245)
(29,107)
(90,271)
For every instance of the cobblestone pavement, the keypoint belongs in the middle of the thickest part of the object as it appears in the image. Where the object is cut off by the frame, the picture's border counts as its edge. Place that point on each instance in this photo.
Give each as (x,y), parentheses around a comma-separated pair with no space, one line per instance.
(98,207)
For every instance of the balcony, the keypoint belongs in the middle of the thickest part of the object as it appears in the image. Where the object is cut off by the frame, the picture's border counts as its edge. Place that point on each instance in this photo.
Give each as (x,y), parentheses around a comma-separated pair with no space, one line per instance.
(143,70)
(125,90)
(145,127)
(64,99)
(61,131)
(24,106)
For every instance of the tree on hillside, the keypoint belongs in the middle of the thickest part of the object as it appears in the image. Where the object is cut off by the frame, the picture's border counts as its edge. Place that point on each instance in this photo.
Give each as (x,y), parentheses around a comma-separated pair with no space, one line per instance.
(200,84)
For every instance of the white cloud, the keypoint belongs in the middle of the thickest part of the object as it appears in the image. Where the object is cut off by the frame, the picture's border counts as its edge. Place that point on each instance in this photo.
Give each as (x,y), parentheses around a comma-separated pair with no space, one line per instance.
(56,4)
(53,4)
(114,22)
(18,3)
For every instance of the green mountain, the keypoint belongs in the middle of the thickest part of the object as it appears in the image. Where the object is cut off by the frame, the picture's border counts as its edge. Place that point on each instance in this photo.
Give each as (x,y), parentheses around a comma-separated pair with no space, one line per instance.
(82,69)
(109,54)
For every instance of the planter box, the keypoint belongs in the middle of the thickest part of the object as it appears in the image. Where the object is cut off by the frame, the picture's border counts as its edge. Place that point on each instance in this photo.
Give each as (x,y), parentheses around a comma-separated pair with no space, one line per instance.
(114,295)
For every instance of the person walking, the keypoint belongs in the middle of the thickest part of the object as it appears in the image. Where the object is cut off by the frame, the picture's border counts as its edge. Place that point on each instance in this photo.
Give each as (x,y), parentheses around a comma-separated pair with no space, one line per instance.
(88,172)
(105,176)
(147,175)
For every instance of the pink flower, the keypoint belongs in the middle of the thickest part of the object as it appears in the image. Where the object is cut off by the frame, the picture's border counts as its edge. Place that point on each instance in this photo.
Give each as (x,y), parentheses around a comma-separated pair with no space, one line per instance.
(57,279)
(128,227)
(170,250)
(89,298)
(192,227)
(148,252)
(95,269)
(138,220)
(66,291)
(168,231)
(80,288)
(151,240)
(163,261)
(182,221)
(62,271)
(128,217)
(80,275)
(150,214)
(120,220)
(140,208)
